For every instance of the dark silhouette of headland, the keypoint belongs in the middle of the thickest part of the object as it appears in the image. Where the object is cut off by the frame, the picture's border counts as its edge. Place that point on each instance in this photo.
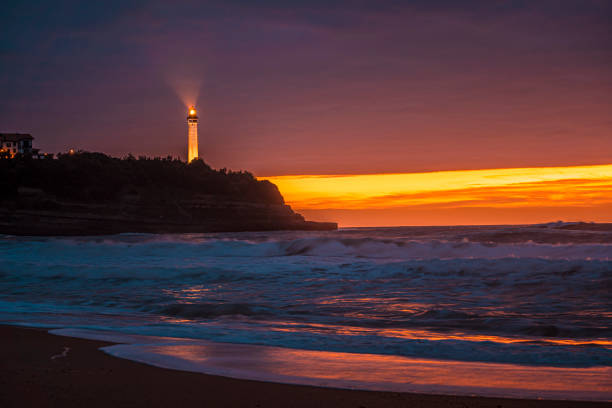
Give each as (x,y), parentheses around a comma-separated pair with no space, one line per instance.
(82,193)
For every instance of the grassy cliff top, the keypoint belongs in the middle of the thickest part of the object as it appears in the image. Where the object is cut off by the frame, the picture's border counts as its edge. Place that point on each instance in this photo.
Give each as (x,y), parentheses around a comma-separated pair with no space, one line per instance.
(96,177)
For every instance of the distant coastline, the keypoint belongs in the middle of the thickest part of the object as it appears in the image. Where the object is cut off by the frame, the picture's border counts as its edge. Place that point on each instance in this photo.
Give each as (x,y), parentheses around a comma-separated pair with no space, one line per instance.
(85,193)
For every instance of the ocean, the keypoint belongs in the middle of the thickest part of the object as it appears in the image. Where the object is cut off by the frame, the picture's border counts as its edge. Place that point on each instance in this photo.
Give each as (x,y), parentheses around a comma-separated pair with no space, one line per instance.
(501,310)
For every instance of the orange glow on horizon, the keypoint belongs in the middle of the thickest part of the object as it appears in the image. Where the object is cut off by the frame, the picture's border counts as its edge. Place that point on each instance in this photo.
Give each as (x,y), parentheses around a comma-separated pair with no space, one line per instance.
(492,196)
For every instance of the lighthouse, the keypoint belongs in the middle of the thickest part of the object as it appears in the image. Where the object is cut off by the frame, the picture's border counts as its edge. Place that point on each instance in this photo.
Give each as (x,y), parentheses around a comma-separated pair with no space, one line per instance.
(192,136)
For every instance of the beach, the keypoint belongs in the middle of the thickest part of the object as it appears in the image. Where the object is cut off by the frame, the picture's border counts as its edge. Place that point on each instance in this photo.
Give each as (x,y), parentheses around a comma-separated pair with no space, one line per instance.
(40,369)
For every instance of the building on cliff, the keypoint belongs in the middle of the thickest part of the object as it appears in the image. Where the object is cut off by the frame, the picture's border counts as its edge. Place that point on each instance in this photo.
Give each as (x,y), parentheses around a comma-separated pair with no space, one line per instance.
(192,136)
(13,143)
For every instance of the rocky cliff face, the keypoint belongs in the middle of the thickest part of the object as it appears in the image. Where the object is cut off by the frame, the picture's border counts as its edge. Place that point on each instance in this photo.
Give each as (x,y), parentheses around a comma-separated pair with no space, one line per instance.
(37,214)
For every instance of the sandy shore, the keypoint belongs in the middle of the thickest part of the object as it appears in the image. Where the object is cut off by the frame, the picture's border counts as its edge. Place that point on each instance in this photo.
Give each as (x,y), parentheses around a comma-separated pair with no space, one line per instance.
(40,369)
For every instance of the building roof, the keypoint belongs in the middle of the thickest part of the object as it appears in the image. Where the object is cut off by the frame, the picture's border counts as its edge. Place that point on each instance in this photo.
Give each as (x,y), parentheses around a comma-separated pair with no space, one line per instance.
(15,137)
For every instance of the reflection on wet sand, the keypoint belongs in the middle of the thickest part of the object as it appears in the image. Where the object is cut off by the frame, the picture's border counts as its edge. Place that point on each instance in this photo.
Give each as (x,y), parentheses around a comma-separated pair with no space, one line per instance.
(375,372)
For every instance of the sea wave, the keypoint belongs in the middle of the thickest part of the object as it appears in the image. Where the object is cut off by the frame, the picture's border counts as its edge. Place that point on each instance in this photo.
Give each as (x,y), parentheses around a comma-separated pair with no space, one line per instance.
(377,248)
(438,292)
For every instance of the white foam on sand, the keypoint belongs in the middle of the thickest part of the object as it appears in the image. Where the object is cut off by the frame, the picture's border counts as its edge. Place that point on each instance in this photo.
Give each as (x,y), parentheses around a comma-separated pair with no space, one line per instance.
(357,371)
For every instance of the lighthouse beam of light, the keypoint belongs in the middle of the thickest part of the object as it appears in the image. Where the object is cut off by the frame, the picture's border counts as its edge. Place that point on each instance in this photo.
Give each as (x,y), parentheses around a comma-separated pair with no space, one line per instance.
(187,90)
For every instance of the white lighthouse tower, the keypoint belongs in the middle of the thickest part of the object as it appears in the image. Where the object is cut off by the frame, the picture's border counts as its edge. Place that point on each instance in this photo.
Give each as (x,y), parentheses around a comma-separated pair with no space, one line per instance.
(192,125)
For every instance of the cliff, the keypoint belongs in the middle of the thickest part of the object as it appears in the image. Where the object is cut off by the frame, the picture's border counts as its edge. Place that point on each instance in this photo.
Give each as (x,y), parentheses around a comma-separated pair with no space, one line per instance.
(92,194)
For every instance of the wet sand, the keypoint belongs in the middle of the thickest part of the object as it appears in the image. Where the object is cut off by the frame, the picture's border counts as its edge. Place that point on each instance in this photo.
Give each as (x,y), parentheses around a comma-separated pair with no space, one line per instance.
(40,369)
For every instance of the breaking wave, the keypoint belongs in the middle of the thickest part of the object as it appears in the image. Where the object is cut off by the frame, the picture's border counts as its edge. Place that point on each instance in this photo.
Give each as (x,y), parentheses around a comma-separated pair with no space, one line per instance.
(381,248)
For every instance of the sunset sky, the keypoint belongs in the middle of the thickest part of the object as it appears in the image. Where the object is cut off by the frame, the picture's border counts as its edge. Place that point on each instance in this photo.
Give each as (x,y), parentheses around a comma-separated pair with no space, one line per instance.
(412,93)
(496,196)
